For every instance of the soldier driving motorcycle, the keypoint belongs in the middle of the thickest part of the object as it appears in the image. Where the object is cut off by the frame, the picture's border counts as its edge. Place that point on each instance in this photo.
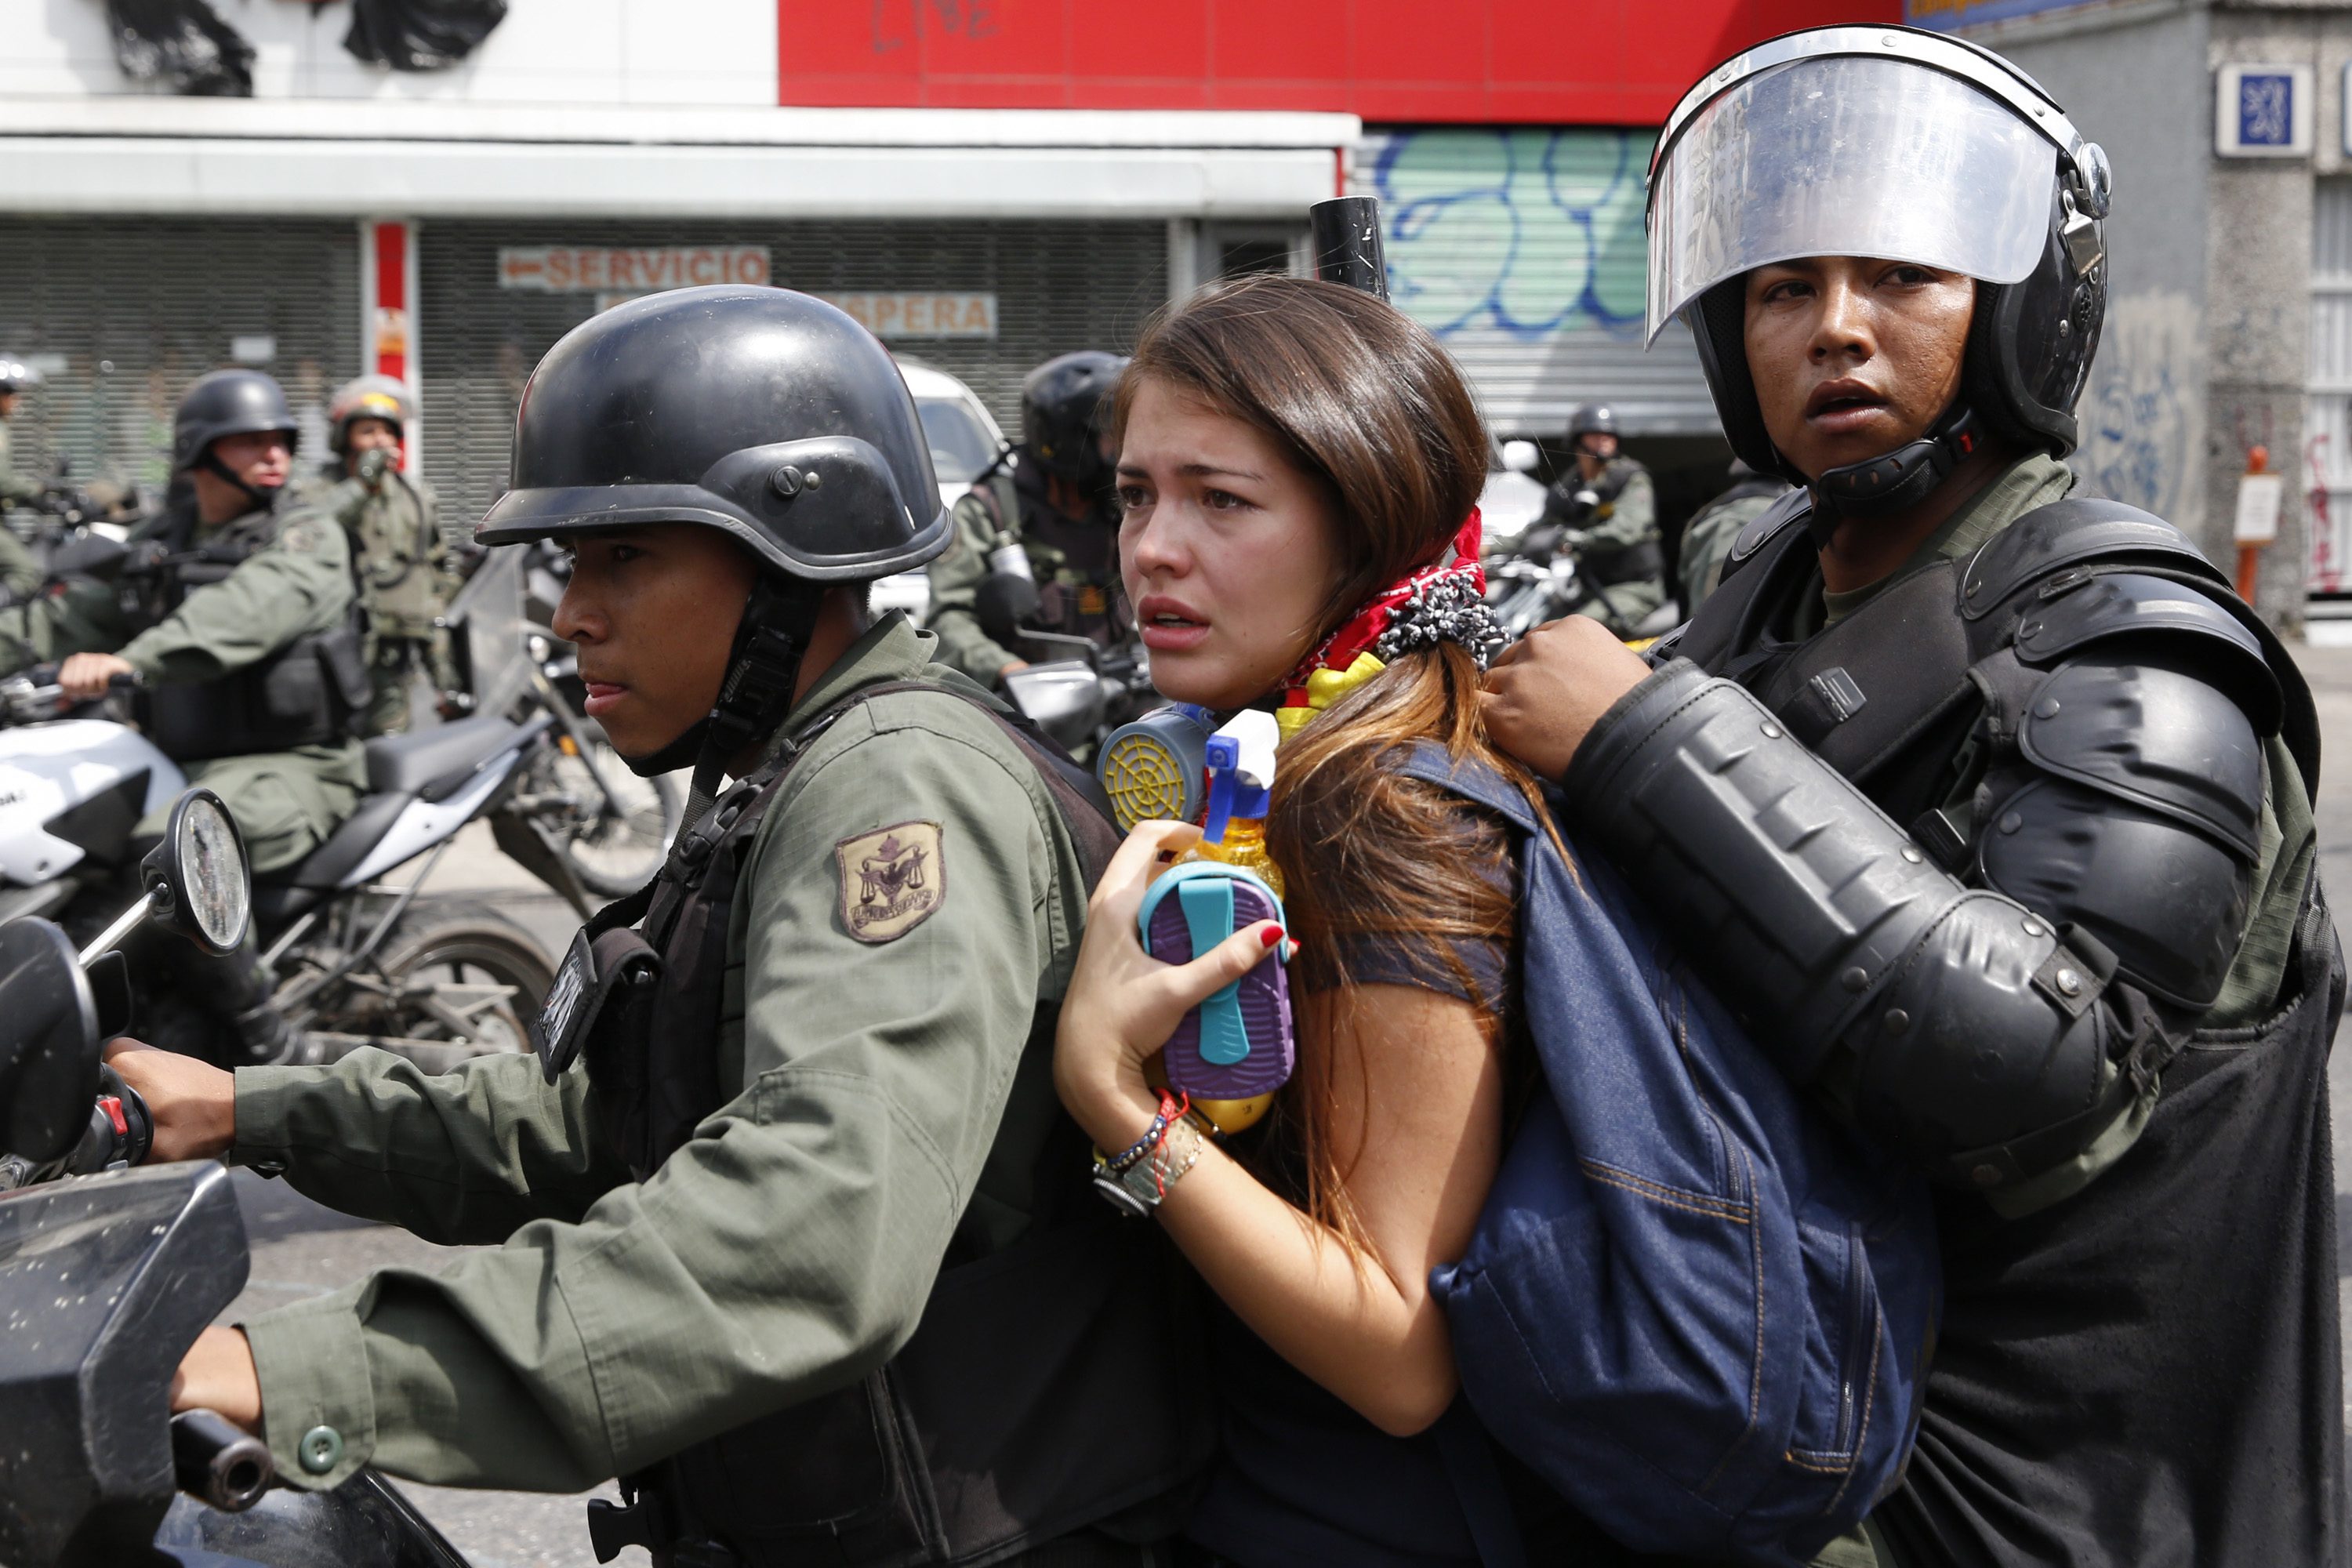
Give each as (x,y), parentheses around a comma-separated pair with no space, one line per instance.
(1605,511)
(241,624)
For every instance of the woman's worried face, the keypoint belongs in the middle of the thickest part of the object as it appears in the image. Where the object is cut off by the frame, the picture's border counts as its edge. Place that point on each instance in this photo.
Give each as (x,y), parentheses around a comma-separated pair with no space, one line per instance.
(1854,357)
(1230,551)
(653,611)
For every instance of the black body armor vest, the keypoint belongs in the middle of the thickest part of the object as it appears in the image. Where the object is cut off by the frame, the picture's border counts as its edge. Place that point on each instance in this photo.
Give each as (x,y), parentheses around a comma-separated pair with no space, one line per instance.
(308,693)
(2147,1372)
(1012,1417)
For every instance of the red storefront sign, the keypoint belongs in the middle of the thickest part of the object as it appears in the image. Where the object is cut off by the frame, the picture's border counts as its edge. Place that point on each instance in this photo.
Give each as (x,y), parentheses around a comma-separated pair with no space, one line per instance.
(1589,62)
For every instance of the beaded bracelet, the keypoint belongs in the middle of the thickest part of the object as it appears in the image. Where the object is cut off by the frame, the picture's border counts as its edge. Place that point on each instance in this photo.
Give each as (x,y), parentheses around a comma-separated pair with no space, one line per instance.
(1172,1108)
(1139,1189)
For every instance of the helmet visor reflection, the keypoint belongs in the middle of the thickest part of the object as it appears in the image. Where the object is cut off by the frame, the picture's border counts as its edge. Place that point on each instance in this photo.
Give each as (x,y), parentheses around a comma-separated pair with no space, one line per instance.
(1848,155)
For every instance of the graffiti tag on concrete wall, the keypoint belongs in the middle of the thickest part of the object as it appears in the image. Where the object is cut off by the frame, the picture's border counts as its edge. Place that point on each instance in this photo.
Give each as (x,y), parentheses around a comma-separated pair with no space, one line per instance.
(2140,424)
(1525,231)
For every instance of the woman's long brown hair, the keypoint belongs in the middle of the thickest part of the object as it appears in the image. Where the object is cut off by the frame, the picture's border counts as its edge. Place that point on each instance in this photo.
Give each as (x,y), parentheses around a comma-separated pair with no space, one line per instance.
(1367,403)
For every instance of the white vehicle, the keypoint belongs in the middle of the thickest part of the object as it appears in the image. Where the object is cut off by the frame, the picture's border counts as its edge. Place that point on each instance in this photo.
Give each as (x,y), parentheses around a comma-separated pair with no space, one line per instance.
(965,443)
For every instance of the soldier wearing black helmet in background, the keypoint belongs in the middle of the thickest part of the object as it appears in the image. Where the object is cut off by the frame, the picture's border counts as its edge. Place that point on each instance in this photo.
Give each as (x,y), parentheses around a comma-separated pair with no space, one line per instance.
(797,1240)
(239,619)
(1055,517)
(393,521)
(1604,513)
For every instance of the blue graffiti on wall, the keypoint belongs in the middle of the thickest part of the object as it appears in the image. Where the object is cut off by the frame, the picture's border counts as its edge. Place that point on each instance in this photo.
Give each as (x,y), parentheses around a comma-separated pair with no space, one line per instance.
(1524,231)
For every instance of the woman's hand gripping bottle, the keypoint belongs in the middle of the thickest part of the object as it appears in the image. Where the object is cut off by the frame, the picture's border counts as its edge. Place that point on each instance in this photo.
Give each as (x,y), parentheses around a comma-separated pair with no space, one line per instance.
(1233,1050)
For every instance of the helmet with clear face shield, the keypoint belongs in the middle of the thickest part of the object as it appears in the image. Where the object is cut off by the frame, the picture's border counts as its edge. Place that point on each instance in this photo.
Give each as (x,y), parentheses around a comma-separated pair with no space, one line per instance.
(1893,144)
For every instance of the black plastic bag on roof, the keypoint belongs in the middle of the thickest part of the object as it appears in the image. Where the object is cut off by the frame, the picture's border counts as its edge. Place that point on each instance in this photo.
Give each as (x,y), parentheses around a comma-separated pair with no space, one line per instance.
(420,35)
(182,42)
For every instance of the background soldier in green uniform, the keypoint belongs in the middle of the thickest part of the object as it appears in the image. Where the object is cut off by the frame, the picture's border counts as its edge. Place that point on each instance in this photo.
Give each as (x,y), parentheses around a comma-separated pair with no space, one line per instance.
(394,522)
(1056,517)
(20,574)
(728,1193)
(1708,537)
(240,624)
(1605,513)
(238,619)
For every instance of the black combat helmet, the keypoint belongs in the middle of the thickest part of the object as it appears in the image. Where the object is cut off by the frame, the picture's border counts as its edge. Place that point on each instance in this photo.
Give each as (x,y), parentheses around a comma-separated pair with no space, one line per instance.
(1060,401)
(764,413)
(1592,420)
(228,403)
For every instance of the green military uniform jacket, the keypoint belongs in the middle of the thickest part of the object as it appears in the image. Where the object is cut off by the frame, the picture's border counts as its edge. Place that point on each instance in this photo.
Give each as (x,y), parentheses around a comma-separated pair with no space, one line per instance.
(298,583)
(887,1083)
(1075,561)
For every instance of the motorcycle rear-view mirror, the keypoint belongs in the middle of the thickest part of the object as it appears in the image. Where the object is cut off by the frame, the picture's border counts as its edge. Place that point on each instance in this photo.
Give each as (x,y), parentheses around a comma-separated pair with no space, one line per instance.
(48,1042)
(1001,602)
(1063,699)
(200,885)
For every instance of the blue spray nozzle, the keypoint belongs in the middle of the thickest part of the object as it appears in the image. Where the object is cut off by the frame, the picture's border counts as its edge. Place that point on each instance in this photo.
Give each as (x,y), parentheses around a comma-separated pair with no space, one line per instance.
(1230,792)
(1224,754)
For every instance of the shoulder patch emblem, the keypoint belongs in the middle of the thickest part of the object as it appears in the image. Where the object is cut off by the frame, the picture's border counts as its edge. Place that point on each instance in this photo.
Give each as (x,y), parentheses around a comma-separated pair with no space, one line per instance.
(892,879)
(300,537)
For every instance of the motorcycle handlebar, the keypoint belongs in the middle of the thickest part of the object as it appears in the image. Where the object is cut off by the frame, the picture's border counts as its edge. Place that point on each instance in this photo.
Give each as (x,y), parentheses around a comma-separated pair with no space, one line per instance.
(219,1462)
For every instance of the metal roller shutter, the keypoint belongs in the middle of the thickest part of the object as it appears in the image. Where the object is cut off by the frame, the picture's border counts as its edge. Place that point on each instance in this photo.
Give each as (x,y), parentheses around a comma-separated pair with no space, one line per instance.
(121,314)
(1059,286)
(1522,248)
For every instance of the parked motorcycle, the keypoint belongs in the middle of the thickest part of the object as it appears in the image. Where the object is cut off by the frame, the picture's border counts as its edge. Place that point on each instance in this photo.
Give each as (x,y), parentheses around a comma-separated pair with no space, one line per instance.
(108,1274)
(1534,579)
(353,958)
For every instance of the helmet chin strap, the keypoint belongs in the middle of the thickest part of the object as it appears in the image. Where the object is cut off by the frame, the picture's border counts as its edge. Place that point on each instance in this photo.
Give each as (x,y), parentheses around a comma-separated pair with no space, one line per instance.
(264,499)
(1880,487)
(763,668)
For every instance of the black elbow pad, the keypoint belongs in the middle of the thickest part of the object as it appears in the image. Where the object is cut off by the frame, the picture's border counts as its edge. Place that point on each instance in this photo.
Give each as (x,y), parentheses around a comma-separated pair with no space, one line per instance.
(1990,1058)
(1965,1022)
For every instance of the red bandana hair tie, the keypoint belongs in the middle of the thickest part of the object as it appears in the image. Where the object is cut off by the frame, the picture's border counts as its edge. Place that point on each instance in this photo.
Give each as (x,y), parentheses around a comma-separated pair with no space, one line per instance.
(1445,600)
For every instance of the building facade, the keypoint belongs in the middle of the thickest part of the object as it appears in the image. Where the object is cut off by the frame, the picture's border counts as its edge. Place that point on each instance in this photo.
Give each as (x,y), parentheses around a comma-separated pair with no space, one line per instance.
(2230,303)
(986,183)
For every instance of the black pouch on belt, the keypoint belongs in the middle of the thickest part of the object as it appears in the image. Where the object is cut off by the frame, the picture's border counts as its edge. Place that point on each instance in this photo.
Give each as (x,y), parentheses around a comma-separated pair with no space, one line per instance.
(606,981)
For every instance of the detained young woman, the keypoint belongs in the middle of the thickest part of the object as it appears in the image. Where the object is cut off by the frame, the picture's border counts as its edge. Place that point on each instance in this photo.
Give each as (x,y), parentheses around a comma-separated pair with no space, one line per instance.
(1298,467)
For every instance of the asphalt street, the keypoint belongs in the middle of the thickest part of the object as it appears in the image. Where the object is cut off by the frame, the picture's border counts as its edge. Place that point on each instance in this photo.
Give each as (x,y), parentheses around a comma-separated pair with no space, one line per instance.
(300,1249)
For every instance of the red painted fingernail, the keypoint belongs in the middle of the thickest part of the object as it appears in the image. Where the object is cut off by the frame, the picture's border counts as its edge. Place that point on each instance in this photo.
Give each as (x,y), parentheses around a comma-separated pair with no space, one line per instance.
(1269,936)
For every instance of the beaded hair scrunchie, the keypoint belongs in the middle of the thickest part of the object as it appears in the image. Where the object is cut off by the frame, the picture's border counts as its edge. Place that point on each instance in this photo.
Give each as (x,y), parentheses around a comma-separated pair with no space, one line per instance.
(1445,600)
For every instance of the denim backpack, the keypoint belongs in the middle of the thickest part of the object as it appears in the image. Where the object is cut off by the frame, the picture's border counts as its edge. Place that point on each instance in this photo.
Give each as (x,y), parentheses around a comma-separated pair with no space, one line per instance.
(1693,1305)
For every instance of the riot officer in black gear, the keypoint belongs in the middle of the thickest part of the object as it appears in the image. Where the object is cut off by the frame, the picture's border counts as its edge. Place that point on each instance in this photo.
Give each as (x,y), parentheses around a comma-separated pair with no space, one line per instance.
(803,1248)
(1053,515)
(1988,803)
